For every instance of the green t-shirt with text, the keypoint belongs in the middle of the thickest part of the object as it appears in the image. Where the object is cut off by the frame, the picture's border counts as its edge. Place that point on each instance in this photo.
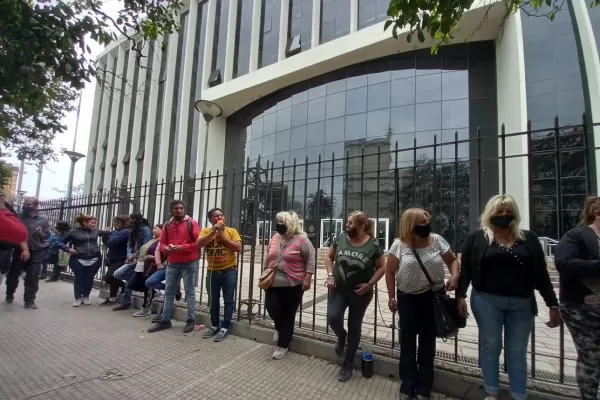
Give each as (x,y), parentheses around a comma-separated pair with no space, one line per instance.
(354,264)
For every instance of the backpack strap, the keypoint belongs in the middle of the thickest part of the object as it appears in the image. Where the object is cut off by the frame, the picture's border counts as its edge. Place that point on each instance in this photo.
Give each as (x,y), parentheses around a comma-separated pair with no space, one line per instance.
(168,226)
(190,230)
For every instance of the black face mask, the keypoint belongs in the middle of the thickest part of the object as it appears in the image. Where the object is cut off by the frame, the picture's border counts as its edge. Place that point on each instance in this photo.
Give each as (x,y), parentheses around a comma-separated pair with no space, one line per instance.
(281,229)
(352,232)
(27,209)
(423,231)
(502,221)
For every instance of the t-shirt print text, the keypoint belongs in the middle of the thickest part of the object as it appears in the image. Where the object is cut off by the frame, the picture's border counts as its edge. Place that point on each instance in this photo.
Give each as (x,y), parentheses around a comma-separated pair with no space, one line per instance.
(351,262)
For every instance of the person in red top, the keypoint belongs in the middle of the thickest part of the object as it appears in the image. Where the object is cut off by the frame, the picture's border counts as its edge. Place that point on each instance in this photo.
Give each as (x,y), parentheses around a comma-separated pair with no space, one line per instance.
(178,241)
(11,229)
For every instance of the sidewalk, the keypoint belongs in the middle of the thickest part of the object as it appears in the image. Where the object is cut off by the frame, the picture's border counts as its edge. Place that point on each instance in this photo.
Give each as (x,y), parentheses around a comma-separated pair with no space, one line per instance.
(61,352)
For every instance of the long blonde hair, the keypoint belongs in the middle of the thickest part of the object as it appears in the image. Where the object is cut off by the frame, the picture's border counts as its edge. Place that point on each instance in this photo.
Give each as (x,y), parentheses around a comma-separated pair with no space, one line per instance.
(494,206)
(410,218)
(291,221)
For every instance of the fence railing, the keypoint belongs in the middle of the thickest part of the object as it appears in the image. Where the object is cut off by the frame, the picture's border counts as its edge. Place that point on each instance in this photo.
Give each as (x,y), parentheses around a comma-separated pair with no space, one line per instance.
(550,172)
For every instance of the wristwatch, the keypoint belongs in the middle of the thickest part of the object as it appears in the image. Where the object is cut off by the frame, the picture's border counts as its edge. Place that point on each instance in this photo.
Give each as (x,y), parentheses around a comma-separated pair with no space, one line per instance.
(330,274)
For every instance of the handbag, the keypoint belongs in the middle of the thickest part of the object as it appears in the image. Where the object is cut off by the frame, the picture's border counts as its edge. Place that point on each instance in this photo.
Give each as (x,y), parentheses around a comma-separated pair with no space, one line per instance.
(445,308)
(266,278)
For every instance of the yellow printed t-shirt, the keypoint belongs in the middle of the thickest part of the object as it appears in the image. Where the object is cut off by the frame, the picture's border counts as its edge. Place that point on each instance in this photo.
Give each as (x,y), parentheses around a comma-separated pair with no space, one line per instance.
(218,255)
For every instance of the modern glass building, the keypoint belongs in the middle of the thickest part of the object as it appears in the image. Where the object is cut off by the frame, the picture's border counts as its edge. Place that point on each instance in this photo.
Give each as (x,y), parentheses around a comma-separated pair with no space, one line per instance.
(309,81)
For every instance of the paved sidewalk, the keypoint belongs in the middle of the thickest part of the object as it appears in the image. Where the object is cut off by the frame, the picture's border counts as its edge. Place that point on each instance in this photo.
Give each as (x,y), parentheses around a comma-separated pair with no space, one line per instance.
(61,352)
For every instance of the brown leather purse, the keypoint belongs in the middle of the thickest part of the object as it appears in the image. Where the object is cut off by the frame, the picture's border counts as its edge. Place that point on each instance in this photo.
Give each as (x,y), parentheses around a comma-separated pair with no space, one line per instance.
(266,278)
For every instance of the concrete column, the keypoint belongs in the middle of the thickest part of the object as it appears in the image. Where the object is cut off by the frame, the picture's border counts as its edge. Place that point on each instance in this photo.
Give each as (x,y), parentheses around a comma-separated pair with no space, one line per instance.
(283,28)
(187,105)
(215,160)
(591,61)
(138,116)
(353,16)
(111,150)
(512,111)
(316,23)
(256,31)
(210,42)
(230,47)
(90,162)
(169,102)
(130,91)
(102,127)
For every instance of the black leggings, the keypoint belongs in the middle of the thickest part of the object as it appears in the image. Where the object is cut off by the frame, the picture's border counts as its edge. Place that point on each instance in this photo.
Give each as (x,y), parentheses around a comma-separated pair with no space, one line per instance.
(114,283)
(138,283)
(282,304)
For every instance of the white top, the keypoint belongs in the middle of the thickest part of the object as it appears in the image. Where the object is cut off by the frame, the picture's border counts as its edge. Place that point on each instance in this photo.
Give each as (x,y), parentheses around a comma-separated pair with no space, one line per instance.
(410,277)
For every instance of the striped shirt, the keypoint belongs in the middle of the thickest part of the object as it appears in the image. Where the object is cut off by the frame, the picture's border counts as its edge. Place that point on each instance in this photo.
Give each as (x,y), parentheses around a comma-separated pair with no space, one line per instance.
(292,258)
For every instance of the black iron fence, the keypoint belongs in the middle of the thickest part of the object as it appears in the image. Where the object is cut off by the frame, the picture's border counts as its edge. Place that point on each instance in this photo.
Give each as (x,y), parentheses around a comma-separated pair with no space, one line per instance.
(549,171)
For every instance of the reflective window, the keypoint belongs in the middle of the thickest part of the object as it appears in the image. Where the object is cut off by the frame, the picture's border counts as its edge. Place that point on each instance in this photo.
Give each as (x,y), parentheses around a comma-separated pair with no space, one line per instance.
(268,48)
(595,19)
(300,22)
(335,19)
(241,61)
(371,11)
(220,38)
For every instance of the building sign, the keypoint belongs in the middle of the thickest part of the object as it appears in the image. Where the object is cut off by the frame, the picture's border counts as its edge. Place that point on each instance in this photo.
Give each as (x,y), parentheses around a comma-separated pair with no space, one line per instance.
(310,227)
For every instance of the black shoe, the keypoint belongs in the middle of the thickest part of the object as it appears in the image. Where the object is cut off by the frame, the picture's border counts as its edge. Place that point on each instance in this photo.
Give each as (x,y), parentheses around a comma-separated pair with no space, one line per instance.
(345,373)
(122,307)
(341,344)
(161,326)
(52,279)
(106,302)
(9,299)
(157,319)
(178,296)
(31,305)
(189,326)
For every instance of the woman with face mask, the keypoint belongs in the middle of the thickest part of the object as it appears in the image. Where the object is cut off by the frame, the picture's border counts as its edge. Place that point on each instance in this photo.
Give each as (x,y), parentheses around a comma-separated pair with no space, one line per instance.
(417,248)
(505,264)
(292,255)
(354,265)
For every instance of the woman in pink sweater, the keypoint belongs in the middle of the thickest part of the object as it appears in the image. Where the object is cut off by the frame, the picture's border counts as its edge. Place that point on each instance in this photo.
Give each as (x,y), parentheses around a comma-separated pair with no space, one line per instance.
(292,255)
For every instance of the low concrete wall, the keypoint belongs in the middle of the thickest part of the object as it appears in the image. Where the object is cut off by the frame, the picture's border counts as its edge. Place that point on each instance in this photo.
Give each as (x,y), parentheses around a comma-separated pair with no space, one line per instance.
(452,380)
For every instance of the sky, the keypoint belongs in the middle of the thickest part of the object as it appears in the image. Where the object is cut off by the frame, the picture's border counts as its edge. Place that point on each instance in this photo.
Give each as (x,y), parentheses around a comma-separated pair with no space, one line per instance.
(56,174)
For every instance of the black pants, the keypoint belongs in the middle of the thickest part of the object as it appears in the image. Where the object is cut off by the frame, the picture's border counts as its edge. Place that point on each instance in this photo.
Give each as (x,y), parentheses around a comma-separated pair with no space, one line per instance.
(31,268)
(282,304)
(416,319)
(56,271)
(137,283)
(113,283)
(357,305)
(5,260)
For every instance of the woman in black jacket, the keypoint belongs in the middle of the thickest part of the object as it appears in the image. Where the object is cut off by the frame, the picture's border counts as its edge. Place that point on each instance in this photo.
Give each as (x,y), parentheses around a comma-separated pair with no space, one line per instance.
(577,258)
(505,264)
(85,257)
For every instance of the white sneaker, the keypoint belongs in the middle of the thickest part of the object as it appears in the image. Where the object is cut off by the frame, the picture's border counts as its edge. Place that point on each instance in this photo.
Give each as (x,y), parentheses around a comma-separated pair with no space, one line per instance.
(276,337)
(279,353)
(489,398)
(77,303)
(86,301)
(142,312)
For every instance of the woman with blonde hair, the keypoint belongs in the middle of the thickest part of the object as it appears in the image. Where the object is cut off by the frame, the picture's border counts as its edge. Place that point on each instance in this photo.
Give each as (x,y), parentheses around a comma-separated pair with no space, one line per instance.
(577,258)
(505,264)
(354,265)
(416,250)
(292,256)
(85,257)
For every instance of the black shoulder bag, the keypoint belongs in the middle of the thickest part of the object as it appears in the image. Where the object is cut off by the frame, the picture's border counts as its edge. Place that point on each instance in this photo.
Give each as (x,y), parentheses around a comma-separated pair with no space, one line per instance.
(445,309)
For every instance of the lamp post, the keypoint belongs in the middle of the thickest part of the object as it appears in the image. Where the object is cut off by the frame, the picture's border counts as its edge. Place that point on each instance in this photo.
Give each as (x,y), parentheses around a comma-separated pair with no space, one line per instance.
(74,156)
(209,111)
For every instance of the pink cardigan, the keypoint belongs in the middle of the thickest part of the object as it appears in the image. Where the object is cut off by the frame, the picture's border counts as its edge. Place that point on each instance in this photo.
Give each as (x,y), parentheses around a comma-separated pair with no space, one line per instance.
(296,259)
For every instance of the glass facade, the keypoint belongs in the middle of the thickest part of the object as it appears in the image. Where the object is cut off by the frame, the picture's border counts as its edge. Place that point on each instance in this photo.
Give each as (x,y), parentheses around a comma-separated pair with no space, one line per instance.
(335,19)
(268,47)
(595,20)
(555,88)
(371,12)
(300,22)
(241,61)
(220,38)
(409,98)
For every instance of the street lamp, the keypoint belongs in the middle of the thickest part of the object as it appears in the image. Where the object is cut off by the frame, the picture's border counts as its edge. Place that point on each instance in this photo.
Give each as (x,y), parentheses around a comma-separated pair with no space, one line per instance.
(74,156)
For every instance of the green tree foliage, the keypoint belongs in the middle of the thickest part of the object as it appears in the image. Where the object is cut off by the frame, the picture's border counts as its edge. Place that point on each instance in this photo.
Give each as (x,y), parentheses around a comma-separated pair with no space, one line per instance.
(437,18)
(45,59)
(5,174)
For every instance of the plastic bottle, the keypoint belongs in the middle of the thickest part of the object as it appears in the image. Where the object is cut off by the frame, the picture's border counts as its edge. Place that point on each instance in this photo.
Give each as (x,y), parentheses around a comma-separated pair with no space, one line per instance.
(367,360)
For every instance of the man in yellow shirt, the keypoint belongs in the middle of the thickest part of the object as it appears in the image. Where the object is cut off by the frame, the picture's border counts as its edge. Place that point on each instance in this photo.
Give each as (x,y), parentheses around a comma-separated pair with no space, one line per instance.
(221,244)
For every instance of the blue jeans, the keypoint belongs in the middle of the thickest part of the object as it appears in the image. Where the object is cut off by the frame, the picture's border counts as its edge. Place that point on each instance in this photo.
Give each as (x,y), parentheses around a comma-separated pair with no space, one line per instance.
(155,281)
(515,315)
(84,277)
(173,275)
(215,282)
(125,273)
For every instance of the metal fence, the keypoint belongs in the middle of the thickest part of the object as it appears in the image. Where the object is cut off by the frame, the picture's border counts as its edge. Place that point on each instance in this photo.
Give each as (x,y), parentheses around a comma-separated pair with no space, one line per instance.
(452,177)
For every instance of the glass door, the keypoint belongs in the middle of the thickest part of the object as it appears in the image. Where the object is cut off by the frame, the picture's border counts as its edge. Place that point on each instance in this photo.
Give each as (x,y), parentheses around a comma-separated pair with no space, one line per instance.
(382,229)
(330,230)
(263,232)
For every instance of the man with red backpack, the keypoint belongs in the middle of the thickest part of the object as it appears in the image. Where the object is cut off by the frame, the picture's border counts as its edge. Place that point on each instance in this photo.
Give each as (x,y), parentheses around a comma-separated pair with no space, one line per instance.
(178,241)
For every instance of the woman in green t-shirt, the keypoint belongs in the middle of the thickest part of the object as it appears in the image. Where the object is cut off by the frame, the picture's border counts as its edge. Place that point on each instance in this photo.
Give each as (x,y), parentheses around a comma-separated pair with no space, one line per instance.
(354,265)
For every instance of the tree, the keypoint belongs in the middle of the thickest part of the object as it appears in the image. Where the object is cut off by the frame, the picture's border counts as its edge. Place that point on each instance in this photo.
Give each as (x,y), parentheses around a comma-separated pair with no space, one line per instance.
(5,173)
(320,205)
(77,190)
(44,57)
(438,19)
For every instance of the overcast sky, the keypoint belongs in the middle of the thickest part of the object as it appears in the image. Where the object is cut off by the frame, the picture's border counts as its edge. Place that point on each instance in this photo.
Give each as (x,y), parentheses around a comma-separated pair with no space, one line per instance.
(56,174)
